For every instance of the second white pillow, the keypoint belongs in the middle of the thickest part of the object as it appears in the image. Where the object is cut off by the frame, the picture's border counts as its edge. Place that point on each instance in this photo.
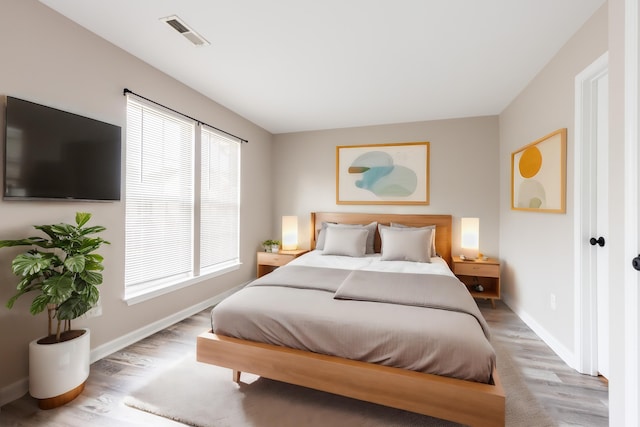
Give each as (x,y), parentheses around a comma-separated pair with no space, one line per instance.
(405,245)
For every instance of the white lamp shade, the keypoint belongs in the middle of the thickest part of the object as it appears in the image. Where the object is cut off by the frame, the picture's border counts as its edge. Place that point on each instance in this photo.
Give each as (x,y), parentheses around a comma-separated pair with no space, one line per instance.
(289,233)
(470,235)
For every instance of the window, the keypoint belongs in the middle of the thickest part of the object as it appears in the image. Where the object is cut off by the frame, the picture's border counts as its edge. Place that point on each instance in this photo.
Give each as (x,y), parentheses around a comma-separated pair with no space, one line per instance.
(219,200)
(178,226)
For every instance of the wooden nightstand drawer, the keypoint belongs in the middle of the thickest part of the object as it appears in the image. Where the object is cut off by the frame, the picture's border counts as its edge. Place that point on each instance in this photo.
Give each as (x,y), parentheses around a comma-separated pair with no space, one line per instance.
(481,277)
(268,261)
(471,269)
(274,259)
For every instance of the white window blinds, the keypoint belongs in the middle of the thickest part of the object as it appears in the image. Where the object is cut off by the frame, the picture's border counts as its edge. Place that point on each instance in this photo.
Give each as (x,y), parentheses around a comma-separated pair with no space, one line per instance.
(182,204)
(219,200)
(159,195)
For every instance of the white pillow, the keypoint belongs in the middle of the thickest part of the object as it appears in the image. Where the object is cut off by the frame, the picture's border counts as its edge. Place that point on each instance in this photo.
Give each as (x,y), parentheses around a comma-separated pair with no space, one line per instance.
(322,234)
(427,227)
(405,245)
(347,241)
(371,228)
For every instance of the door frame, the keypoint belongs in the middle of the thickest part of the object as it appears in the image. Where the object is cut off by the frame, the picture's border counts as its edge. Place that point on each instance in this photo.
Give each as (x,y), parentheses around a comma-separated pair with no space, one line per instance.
(585,283)
(632,213)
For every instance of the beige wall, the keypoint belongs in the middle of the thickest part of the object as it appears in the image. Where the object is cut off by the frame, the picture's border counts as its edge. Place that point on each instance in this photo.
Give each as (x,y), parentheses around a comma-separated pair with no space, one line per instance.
(464,172)
(537,248)
(50,60)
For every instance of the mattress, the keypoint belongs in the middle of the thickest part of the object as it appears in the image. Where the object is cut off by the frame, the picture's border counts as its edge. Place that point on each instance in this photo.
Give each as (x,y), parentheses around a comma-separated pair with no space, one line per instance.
(408,315)
(372,262)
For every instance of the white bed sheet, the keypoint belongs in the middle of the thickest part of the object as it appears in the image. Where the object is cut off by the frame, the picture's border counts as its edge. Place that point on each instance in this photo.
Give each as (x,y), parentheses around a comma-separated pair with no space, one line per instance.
(372,262)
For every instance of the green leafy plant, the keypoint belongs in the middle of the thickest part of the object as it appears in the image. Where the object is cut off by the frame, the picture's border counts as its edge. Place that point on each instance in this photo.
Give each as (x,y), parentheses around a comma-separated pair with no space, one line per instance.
(62,269)
(269,244)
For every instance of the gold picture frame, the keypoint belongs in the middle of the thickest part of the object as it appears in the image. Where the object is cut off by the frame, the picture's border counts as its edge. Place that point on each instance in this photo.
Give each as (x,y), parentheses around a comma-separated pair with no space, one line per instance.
(383,174)
(539,174)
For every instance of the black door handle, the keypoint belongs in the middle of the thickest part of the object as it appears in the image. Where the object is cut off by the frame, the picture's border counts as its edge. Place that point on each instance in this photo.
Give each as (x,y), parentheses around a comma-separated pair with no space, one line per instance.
(636,263)
(599,241)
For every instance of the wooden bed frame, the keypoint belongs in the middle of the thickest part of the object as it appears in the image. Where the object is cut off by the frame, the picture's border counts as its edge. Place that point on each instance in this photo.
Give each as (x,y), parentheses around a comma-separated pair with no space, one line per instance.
(465,402)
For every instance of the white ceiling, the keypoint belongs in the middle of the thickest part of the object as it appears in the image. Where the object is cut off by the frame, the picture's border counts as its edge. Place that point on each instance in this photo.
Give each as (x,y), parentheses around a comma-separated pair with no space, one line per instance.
(295,65)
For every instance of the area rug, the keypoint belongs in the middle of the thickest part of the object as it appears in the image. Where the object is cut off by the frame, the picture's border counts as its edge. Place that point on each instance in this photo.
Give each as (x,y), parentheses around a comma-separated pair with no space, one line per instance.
(203,395)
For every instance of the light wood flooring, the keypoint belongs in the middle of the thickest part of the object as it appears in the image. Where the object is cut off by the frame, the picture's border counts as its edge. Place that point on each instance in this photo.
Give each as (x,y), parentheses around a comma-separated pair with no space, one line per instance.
(571,399)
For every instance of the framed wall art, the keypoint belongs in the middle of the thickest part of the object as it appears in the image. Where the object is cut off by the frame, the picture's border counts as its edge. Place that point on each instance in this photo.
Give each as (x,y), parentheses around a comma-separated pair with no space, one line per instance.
(539,174)
(383,174)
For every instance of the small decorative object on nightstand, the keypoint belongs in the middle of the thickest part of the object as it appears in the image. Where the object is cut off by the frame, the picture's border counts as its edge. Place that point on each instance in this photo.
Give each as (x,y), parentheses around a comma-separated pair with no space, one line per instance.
(271,245)
(481,276)
(268,261)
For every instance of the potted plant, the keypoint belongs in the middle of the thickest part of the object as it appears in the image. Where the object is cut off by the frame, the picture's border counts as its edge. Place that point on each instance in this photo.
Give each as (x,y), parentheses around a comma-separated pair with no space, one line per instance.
(271,245)
(64,272)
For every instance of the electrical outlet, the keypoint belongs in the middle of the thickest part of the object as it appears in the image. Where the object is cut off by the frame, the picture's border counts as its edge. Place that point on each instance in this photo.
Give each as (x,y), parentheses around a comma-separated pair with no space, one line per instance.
(552,301)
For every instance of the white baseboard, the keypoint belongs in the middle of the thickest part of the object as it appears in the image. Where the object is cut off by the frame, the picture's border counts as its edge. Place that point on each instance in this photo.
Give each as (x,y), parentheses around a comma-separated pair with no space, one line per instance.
(21,387)
(150,329)
(563,352)
(14,391)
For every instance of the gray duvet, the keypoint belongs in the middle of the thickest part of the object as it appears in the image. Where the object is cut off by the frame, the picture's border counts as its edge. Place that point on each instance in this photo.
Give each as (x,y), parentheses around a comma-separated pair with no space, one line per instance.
(421,322)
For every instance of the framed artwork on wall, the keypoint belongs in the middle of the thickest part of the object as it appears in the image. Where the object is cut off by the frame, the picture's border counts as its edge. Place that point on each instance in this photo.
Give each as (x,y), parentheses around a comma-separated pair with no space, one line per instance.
(539,174)
(383,174)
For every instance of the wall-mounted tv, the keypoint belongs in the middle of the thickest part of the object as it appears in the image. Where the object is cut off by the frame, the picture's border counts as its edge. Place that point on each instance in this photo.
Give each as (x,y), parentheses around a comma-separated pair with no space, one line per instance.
(55,155)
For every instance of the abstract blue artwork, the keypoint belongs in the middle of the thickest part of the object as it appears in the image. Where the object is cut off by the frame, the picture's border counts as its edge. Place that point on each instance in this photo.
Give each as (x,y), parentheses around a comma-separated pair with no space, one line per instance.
(383,174)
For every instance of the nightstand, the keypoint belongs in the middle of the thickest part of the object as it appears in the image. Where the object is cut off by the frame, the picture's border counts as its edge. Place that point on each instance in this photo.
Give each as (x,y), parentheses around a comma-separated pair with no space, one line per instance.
(268,261)
(479,272)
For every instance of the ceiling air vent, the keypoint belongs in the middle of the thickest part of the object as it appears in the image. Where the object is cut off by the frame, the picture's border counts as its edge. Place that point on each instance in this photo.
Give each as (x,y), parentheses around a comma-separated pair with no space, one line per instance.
(180,26)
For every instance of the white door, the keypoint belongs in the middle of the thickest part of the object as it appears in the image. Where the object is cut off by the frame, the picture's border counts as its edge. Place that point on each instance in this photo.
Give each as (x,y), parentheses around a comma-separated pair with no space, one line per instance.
(627,386)
(591,219)
(602,224)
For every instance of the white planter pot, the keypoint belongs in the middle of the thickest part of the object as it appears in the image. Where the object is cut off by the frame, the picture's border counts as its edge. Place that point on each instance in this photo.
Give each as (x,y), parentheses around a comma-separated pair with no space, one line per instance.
(57,372)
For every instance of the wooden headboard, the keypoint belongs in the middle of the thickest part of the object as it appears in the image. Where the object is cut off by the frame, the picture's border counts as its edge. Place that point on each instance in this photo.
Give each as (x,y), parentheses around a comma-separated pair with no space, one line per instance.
(442,223)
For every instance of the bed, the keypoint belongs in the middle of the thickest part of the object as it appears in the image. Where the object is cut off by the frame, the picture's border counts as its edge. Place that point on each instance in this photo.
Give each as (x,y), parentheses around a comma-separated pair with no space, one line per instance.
(413,382)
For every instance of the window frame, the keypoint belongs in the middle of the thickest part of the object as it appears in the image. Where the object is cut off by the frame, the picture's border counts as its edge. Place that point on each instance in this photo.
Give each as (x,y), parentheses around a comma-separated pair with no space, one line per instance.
(135,293)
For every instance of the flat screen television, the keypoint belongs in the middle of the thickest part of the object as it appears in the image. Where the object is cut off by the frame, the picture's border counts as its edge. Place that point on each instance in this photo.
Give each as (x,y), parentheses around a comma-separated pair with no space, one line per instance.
(55,155)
